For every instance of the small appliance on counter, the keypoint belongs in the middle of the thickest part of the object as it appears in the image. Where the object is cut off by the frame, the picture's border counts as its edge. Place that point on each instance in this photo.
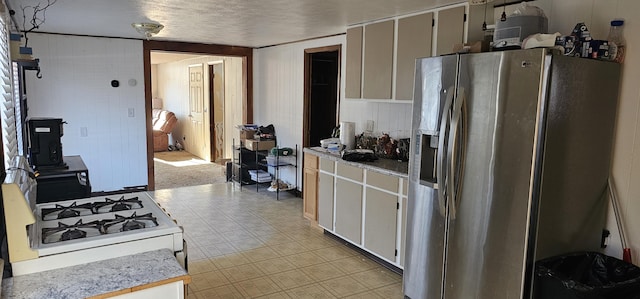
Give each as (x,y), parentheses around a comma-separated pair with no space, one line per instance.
(348,134)
(526,20)
(45,145)
(325,143)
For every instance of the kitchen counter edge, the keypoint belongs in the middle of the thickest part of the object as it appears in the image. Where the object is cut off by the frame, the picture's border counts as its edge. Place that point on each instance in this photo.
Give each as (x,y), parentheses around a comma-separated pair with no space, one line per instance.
(90,279)
(384,166)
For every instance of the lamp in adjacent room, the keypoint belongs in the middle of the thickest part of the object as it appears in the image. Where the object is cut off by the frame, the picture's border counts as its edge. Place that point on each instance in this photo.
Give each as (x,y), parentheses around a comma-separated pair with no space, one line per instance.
(147,29)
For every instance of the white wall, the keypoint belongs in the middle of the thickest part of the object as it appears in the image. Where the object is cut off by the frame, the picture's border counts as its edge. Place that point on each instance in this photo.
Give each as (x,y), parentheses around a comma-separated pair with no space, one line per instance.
(172,87)
(75,86)
(278,92)
(388,117)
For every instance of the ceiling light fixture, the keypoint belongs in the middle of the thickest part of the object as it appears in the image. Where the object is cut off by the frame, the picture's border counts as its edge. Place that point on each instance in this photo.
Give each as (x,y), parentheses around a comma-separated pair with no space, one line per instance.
(147,29)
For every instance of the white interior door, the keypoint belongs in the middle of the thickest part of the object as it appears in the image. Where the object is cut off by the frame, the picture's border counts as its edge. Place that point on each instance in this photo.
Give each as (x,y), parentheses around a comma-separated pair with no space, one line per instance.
(195,142)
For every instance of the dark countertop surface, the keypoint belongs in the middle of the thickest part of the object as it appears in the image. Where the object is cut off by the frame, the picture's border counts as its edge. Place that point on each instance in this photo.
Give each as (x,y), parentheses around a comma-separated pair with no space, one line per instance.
(385,166)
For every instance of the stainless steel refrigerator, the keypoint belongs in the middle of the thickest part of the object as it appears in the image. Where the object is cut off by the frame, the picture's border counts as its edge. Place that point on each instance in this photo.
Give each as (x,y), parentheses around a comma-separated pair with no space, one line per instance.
(509,163)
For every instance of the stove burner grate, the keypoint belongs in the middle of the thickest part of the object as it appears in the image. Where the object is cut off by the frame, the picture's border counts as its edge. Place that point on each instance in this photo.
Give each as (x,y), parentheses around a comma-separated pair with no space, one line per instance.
(72,234)
(121,204)
(72,210)
(132,222)
(69,232)
(132,225)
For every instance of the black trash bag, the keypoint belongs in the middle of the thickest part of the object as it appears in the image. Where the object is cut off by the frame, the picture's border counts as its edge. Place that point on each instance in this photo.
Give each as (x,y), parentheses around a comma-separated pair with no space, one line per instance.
(268,132)
(586,275)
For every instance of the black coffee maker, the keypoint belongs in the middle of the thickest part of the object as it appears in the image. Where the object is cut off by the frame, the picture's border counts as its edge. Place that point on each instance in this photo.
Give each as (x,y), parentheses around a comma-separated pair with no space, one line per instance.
(45,145)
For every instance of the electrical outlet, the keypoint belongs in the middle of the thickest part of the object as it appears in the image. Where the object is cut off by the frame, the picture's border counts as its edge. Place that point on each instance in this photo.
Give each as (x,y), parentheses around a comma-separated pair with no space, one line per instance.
(132,112)
(83,132)
(369,126)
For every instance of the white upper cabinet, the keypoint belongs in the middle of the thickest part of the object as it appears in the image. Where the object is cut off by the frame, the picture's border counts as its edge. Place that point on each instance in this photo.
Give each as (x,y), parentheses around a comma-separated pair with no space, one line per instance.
(451,23)
(414,41)
(381,55)
(378,60)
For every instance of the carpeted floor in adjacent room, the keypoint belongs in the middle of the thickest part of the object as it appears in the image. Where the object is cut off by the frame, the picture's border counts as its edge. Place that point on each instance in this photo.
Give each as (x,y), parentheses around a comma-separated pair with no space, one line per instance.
(175,169)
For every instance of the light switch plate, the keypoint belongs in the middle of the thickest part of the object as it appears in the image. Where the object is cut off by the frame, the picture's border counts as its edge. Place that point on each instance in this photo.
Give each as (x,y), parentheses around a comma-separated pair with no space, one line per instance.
(132,112)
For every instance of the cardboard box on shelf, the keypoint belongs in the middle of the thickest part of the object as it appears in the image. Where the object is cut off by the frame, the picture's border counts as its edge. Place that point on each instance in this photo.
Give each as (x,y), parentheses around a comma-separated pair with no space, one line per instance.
(473,47)
(247,134)
(259,145)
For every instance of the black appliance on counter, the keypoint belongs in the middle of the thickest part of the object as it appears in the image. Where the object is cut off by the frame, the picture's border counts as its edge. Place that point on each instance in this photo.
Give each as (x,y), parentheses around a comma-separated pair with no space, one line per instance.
(45,145)
(58,184)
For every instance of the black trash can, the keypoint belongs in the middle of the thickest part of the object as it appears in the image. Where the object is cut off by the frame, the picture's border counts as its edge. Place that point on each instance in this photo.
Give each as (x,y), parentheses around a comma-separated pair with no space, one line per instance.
(586,275)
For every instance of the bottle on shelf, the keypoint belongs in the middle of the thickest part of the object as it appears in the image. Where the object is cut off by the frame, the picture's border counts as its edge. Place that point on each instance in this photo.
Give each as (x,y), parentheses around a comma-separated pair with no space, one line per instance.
(617,43)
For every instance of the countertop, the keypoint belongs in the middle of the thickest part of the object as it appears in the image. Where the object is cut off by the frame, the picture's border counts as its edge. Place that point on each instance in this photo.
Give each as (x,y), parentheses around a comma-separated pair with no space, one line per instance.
(384,166)
(97,278)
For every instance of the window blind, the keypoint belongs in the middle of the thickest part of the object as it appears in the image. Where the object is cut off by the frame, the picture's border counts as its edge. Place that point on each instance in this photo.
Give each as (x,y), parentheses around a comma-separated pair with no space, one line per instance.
(7,113)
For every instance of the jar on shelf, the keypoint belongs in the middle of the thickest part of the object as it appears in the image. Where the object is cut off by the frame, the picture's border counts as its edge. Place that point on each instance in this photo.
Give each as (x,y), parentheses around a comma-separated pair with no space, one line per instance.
(617,43)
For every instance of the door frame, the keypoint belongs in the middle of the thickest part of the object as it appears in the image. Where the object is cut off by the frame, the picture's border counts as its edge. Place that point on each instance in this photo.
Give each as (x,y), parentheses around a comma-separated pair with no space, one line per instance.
(307,88)
(245,53)
(212,130)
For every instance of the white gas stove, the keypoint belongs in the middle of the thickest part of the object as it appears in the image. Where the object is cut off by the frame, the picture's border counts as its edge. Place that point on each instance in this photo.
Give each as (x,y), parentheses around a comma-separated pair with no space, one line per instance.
(73,232)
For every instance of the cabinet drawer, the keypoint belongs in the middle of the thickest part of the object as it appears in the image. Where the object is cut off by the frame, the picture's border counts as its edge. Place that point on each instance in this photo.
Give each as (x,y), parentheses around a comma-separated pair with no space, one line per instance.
(310,161)
(383,181)
(349,172)
(327,165)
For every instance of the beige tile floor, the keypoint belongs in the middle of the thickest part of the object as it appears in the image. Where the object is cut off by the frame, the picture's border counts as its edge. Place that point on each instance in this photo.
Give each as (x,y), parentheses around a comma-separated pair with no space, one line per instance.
(245,244)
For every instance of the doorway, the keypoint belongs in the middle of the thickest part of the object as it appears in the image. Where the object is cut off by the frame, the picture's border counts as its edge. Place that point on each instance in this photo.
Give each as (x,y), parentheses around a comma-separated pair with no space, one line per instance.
(242,99)
(321,93)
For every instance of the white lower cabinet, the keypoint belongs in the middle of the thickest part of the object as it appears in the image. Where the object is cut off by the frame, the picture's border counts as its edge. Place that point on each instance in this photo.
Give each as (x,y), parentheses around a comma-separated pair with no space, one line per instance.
(366,208)
(380,223)
(325,200)
(349,210)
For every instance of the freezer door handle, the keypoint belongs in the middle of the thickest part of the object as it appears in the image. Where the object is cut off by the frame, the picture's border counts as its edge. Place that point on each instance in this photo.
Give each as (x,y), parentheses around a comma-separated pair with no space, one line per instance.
(441,174)
(455,150)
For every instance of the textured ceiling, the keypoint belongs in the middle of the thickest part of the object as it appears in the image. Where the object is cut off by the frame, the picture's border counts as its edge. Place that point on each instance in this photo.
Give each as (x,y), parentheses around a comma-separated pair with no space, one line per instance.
(251,23)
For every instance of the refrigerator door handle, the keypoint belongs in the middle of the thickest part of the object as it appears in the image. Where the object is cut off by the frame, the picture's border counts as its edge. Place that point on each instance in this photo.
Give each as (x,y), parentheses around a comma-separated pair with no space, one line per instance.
(441,174)
(455,152)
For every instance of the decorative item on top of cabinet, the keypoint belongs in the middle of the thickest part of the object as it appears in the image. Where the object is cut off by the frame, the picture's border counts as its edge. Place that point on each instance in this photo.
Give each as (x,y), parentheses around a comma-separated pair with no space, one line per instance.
(378,60)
